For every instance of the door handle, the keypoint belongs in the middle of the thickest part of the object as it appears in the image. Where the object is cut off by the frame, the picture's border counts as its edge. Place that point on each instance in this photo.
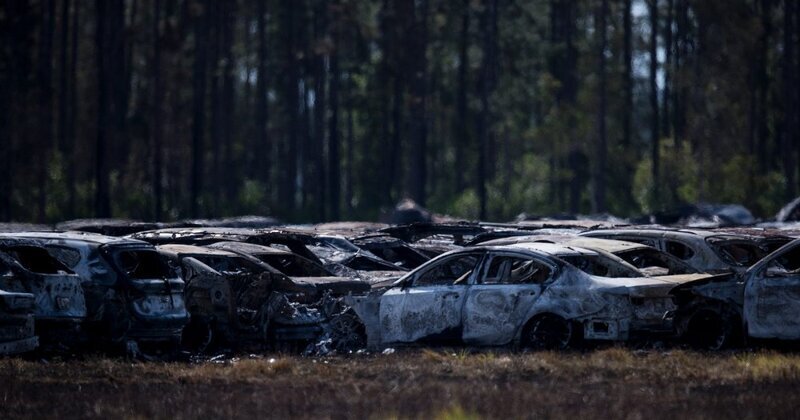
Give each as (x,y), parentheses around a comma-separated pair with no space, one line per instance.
(453,295)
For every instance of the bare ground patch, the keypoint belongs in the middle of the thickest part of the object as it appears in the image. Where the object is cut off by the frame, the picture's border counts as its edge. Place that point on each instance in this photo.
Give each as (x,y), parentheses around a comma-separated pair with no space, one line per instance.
(616,383)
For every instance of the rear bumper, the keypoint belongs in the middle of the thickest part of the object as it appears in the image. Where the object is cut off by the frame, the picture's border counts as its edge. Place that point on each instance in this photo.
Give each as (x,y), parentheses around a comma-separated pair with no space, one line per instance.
(19,346)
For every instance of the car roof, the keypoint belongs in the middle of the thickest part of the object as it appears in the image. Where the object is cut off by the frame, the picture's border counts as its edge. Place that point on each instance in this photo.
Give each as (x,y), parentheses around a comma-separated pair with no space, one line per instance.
(608,245)
(665,232)
(555,250)
(182,249)
(247,248)
(86,237)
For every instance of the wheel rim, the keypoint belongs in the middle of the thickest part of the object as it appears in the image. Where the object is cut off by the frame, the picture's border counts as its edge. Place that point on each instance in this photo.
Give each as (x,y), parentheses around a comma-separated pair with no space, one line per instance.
(550,332)
(347,332)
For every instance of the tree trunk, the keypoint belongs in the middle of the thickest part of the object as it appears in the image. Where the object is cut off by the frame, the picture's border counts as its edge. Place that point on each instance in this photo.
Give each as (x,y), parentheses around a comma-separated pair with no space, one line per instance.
(655,121)
(627,76)
(158,98)
(790,108)
(796,87)
(317,174)
(763,82)
(72,114)
(262,101)
(461,133)
(665,99)
(599,196)
(349,170)
(418,123)
(288,155)
(63,91)
(45,117)
(678,78)
(199,105)
(485,118)
(334,154)
(110,56)
(228,111)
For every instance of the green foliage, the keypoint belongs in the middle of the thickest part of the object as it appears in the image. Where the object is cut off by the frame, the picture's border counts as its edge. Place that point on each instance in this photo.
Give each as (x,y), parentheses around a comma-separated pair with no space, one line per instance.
(252,196)
(679,181)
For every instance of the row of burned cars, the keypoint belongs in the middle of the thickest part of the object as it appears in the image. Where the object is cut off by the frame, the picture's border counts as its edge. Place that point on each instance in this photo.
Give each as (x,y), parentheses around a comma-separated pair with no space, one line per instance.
(349,286)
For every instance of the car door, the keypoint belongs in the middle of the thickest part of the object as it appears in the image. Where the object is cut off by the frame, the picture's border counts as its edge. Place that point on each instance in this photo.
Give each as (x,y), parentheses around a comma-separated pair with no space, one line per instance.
(496,305)
(772,296)
(429,307)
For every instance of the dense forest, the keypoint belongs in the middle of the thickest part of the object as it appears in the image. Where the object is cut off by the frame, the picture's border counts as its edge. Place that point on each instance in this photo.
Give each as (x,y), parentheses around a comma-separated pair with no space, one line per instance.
(313,110)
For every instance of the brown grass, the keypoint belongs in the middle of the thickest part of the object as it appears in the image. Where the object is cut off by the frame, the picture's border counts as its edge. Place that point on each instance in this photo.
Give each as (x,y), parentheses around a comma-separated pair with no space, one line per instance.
(441,384)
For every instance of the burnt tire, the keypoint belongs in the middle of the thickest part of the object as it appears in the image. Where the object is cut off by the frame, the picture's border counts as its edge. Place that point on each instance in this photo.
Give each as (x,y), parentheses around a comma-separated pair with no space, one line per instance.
(548,332)
(710,330)
(198,335)
(347,332)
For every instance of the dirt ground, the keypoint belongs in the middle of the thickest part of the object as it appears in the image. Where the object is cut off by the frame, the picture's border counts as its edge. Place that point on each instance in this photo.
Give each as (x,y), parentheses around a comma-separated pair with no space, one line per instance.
(442,383)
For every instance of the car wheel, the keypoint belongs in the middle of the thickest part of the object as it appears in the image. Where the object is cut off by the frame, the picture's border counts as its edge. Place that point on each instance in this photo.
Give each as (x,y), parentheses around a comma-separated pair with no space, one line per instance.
(347,332)
(709,330)
(548,332)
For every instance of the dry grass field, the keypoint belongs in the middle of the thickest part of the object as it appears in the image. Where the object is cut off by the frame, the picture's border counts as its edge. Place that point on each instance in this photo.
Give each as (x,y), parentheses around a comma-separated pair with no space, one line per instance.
(441,383)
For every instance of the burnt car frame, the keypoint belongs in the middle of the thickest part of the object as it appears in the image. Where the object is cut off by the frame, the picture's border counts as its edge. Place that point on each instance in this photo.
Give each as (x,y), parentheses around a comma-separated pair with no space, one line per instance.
(705,250)
(60,305)
(527,294)
(134,299)
(238,300)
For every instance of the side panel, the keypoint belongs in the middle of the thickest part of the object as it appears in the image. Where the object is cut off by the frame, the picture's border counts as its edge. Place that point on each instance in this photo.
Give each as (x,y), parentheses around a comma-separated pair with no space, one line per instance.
(421,312)
(494,312)
(772,306)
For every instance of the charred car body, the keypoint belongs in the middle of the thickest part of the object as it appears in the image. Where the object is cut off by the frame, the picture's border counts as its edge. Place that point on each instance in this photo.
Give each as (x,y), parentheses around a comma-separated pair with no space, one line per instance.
(706,251)
(711,311)
(530,294)
(133,298)
(60,306)
(434,239)
(237,300)
(335,253)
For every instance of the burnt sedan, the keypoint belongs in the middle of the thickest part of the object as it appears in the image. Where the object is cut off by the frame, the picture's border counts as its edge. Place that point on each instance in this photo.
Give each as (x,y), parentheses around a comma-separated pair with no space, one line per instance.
(534,294)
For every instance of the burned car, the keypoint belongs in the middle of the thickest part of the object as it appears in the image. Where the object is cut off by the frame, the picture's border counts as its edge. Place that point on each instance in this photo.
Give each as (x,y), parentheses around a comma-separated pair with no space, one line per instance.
(335,253)
(16,323)
(761,303)
(297,267)
(134,300)
(239,301)
(388,248)
(647,259)
(434,239)
(706,251)
(536,295)
(60,306)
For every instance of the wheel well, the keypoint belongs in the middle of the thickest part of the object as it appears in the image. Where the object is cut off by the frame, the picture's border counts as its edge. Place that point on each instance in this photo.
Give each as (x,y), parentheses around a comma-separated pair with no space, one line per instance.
(526,327)
(730,323)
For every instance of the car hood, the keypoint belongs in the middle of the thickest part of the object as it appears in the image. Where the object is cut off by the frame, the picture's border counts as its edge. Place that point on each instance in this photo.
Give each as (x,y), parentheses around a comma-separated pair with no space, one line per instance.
(336,285)
(647,286)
